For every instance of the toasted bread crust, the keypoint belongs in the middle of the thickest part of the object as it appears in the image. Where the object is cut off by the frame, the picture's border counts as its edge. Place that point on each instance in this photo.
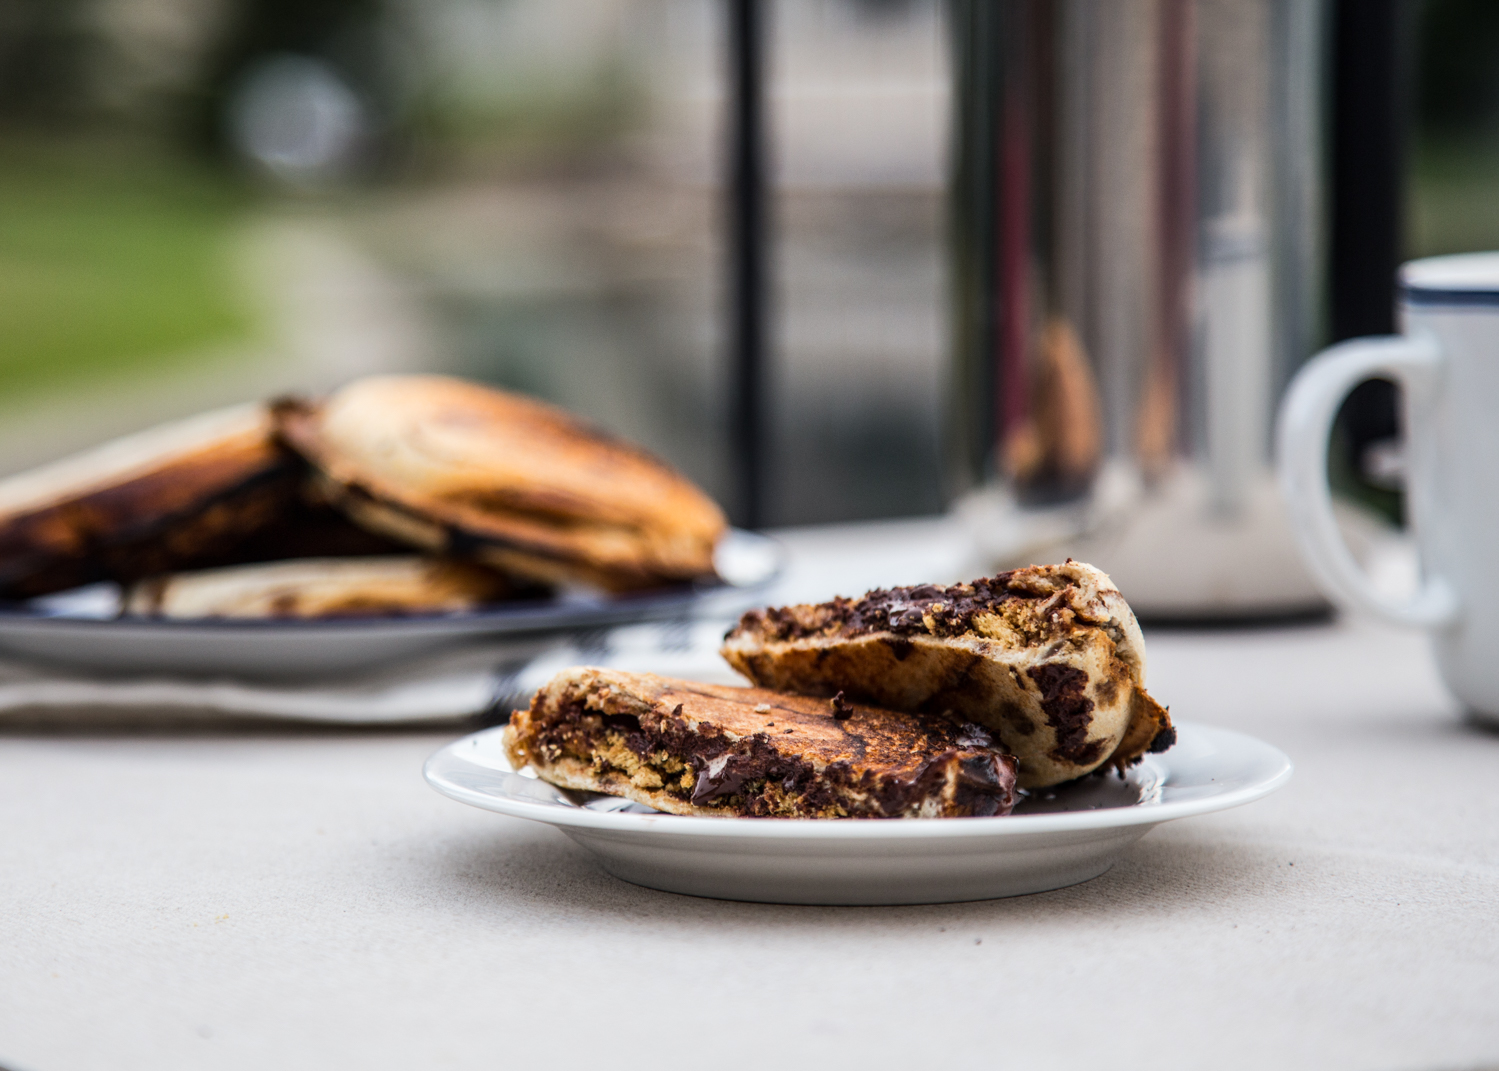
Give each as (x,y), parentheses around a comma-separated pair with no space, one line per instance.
(320,587)
(701,749)
(143,504)
(1050,658)
(458,467)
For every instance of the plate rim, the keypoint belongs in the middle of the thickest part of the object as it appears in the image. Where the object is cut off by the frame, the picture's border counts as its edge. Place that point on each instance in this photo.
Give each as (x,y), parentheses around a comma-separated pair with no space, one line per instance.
(1108,818)
(518,611)
(527,615)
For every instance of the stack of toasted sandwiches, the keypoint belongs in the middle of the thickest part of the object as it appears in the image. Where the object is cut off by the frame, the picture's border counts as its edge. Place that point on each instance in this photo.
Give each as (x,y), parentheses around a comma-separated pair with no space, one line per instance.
(907,703)
(395,494)
(404,494)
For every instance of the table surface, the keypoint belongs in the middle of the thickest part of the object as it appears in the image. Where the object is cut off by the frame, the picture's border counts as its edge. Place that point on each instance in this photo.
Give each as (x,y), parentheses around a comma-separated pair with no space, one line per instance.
(304,900)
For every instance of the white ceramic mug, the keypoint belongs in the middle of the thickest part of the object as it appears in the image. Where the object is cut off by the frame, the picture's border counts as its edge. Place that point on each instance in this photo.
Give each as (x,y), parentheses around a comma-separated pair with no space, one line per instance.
(1447,365)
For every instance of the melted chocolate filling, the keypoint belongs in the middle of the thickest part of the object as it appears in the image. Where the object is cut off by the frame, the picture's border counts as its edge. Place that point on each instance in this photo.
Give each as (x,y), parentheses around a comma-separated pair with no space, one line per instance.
(723,769)
(903,611)
(1068,711)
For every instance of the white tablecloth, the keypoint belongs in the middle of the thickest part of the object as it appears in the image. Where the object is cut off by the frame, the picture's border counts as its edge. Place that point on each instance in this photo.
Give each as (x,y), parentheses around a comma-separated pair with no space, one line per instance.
(302,900)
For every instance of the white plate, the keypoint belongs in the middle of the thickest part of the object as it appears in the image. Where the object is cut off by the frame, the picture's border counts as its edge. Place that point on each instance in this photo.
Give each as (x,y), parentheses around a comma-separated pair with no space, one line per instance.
(1076,835)
(80,630)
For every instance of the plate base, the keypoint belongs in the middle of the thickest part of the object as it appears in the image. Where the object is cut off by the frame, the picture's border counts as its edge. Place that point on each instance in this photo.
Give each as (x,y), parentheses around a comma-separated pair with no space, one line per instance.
(793,875)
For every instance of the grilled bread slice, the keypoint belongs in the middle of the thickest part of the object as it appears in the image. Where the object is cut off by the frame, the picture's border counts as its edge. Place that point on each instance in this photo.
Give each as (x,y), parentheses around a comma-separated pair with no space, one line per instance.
(1050,658)
(704,749)
(321,587)
(454,467)
(150,502)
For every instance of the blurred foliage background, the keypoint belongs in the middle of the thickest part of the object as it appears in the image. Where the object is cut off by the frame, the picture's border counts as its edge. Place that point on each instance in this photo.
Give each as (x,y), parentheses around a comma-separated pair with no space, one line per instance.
(110,259)
(1454,177)
(207,200)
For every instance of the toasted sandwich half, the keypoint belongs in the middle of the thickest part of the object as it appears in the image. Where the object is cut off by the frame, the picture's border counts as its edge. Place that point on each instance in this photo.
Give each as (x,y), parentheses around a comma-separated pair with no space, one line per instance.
(321,587)
(703,749)
(1050,658)
(152,502)
(458,468)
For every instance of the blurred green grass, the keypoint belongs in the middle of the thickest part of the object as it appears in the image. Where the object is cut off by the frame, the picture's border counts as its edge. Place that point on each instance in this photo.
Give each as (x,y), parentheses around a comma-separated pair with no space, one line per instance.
(114,261)
(1453,202)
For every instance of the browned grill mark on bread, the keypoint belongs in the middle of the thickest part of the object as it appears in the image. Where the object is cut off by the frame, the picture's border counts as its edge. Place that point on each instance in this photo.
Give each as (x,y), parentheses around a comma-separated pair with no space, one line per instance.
(691,748)
(174,497)
(468,470)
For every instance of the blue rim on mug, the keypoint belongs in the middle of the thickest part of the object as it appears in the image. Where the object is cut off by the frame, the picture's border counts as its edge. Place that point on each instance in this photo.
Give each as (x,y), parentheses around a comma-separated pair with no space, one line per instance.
(1459,280)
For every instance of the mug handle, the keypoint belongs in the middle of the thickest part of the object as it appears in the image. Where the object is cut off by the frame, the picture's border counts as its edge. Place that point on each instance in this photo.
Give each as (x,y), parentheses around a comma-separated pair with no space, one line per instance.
(1306,418)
